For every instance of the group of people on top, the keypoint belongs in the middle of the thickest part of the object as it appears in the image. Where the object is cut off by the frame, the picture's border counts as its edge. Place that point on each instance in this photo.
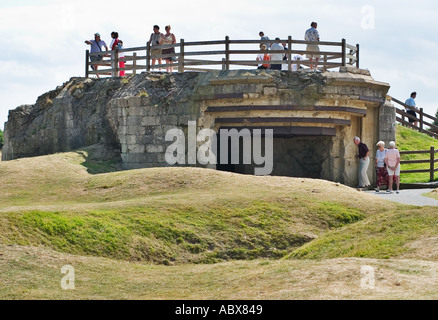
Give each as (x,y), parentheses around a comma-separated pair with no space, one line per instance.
(157,38)
(311,35)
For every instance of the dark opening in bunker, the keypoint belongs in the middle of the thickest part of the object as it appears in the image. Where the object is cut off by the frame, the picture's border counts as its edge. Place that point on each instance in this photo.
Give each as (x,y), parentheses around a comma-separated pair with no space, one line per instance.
(301,154)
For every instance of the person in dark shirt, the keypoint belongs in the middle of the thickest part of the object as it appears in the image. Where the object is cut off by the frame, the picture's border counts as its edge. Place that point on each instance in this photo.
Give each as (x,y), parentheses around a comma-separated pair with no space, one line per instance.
(364,162)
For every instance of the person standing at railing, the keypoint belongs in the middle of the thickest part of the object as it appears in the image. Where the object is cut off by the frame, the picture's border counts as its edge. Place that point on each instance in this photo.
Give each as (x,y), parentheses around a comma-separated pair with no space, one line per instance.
(264,38)
(392,161)
(156,39)
(116,43)
(96,46)
(276,56)
(263,56)
(411,102)
(364,162)
(169,38)
(312,35)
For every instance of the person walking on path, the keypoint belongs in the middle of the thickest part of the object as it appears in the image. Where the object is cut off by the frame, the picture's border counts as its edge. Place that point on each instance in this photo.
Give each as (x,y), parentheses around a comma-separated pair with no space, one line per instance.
(96,46)
(382,173)
(312,35)
(392,161)
(168,38)
(411,102)
(364,162)
(156,39)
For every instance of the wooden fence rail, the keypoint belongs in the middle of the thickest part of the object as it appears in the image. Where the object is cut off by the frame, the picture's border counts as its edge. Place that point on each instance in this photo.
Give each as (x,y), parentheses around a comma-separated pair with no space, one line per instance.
(423,126)
(188,58)
(431,161)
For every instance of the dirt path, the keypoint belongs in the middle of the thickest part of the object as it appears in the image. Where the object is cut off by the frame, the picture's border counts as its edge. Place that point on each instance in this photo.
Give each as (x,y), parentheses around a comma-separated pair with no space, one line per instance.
(408,196)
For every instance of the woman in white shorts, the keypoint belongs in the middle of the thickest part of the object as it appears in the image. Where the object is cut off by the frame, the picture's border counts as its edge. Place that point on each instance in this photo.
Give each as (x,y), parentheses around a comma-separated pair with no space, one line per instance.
(392,161)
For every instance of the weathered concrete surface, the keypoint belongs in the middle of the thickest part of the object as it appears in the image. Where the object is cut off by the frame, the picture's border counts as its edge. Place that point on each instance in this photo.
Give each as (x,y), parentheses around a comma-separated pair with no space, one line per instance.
(320,113)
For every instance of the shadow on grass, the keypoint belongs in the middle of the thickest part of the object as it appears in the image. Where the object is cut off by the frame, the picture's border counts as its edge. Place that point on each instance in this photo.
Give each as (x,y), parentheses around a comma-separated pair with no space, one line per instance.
(101,159)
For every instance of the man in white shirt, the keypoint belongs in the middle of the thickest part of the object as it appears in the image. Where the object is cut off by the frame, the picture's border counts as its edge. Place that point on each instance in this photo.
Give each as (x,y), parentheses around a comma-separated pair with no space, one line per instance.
(312,35)
(277,56)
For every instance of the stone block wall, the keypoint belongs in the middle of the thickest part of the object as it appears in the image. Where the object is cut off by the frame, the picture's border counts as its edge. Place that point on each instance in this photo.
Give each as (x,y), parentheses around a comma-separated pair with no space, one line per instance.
(133,116)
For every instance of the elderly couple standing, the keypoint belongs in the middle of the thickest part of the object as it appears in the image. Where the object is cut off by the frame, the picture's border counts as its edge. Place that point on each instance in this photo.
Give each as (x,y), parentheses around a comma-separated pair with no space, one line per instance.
(387,165)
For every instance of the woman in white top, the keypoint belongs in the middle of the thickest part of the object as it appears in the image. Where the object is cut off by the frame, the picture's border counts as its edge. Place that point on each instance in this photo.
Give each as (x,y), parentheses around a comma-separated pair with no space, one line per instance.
(382,173)
(168,38)
(392,161)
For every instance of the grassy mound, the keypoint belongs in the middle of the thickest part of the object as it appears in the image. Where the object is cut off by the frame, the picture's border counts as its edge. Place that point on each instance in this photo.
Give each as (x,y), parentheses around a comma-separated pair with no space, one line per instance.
(168,215)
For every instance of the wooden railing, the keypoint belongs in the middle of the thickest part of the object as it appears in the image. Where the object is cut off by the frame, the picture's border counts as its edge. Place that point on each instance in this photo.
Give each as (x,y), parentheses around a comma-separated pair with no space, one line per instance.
(431,161)
(423,126)
(209,57)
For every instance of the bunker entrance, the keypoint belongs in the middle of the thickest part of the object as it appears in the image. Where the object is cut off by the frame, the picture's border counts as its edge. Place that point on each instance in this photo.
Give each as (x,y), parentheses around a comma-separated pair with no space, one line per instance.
(292,156)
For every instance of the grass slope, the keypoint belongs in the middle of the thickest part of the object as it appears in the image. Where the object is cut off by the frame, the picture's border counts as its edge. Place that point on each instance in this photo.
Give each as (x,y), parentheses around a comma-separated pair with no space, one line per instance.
(411,140)
(167,215)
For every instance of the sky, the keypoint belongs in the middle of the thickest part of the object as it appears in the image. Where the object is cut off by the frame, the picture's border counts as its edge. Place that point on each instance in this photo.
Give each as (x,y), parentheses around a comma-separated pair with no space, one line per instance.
(43,40)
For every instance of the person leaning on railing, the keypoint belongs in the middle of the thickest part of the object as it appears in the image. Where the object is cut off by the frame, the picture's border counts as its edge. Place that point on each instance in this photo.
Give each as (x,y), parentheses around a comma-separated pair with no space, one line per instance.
(411,102)
(96,46)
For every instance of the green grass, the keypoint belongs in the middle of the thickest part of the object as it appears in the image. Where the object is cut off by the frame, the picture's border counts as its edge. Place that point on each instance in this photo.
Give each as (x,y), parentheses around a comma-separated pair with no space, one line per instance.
(164,233)
(381,236)
(411,140)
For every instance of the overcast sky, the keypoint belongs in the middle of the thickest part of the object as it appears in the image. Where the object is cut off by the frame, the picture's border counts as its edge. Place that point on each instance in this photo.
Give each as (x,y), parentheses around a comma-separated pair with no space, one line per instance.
(43,40)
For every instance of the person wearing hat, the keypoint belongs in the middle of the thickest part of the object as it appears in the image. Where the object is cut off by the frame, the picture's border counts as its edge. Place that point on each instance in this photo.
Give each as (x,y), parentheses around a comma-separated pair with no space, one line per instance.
(382,173)
(392,161)
(96,46)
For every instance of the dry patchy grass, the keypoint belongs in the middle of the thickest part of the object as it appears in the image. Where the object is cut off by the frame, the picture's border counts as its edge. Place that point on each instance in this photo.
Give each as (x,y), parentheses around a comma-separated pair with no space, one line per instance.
(30,273)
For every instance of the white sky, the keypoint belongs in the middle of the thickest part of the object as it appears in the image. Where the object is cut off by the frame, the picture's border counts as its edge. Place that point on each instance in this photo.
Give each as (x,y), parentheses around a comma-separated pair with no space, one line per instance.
(43,41)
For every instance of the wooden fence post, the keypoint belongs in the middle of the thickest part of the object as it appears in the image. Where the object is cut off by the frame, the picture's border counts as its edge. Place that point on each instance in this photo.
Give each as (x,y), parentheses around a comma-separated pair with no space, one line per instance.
(227,53)
(289,53)
(134,63)
(421,120)
(115,63)
(357,56)
(87,63)
(344,53)
(432,163)
(148,57)
(181,57)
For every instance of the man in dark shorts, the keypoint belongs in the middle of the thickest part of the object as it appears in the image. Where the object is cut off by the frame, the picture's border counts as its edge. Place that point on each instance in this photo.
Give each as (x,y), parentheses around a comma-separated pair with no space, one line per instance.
(411,102)
(96,46)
